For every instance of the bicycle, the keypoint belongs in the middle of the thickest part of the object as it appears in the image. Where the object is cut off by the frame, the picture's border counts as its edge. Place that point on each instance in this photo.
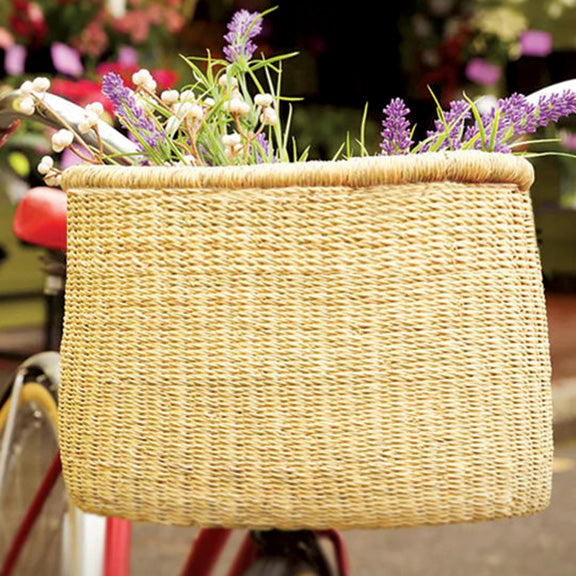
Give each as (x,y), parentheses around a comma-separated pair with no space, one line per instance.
(52,532)
(262,553)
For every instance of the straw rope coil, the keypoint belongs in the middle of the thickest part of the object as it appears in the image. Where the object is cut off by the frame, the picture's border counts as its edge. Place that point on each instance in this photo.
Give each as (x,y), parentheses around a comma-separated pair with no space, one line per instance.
(357,344)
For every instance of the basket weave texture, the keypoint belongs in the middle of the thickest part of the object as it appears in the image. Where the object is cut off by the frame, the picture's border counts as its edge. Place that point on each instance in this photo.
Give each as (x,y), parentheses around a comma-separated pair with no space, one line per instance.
(357,344)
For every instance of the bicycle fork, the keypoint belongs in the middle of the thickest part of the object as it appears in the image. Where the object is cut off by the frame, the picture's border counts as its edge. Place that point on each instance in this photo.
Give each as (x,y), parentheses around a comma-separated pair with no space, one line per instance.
(10,424)
(117,550)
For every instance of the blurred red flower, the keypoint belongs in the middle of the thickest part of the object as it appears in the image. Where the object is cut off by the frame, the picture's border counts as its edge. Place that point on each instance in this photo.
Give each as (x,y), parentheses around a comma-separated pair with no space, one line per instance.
(27,20)
(165,78)
(81,92)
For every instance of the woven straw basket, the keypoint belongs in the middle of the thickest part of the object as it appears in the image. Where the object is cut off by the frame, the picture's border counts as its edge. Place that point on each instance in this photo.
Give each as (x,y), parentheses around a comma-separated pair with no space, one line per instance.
(357,344)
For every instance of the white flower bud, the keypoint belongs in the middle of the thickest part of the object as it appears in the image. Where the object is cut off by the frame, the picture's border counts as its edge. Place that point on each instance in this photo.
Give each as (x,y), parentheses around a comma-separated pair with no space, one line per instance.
(172,125)
(46,164)
(88,121)
(238,107)
(269,117)
(27,105)
(143,79)
(263,100)
(189,160)
(62,139)
(41,84)
(183,109)
(27,88)
(169,97)
(209,102)
(187,96)
(231,140)
(53,179)
(196,111)
(224,81)
(95,108)
(189,110)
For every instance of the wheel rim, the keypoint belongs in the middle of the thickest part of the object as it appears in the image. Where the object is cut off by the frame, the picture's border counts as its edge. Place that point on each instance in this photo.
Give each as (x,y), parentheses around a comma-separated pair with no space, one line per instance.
(34,445)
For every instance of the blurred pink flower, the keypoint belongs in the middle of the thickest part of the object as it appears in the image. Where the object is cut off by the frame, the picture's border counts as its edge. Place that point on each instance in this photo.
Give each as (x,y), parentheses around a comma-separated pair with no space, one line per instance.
(174,21)
(93,40)
(6,39)
(35,13)
(568,139)
(155,14)
(15,60)
(66,59)
(136,24)
(536,43)
(482,72)
(127,56)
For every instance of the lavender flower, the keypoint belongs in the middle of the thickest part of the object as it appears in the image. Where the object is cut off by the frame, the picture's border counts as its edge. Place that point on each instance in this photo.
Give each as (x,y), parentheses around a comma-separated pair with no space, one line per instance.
(129,111)
(511,118)
(242,29)
(448,132)
(495,134)
(519,114)
(516,116)
(555,106)
(396,135)
(261,148)
(493,131)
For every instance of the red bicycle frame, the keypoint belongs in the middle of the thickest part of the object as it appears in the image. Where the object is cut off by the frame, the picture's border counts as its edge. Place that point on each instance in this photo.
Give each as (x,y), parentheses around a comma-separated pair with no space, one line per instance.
(205,552)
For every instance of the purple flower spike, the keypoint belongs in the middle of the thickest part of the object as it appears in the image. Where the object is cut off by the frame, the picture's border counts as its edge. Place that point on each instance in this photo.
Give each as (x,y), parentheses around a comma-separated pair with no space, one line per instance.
(518,117)
(555,106)
(262,148)
(451,129)
(242,29)
(396,129)
(129,111)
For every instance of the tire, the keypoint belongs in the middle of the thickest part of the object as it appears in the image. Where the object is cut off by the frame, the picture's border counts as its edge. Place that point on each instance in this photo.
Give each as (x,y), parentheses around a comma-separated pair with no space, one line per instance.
(289,554)
(280,567)
(56,543)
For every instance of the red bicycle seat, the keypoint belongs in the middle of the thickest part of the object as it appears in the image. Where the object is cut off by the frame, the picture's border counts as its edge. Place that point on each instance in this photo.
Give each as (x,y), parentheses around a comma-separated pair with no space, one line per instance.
(40,218)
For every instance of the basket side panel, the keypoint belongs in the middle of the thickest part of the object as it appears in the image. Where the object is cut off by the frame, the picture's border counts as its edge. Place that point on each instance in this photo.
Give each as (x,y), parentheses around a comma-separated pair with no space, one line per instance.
(306,358)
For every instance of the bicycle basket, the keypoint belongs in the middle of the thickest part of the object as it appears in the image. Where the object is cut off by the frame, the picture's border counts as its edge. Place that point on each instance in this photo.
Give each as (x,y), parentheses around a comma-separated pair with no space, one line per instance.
(355,344)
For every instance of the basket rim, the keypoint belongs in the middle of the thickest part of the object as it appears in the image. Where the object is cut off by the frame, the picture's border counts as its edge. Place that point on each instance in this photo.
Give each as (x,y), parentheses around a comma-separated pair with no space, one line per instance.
(454,166)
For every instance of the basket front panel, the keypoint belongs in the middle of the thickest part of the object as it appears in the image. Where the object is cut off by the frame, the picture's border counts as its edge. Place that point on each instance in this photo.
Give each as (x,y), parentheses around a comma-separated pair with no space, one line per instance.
(306,357)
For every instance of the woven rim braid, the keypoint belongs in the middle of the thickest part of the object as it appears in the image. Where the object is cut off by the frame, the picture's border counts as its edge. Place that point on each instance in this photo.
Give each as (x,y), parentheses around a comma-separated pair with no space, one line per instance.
(357,344)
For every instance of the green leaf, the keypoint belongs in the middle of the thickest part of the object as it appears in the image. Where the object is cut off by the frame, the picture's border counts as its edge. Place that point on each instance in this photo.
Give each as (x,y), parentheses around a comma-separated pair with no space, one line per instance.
(494,133)
(339,151)
(362,140)
(478,120)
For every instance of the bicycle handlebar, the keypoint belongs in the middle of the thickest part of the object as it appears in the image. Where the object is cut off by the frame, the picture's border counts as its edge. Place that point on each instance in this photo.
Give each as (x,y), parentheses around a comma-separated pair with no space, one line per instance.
(557,88)
(113,142)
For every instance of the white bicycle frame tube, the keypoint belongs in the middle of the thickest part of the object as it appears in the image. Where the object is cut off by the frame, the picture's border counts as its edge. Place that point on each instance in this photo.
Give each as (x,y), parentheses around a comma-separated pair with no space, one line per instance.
(10,423)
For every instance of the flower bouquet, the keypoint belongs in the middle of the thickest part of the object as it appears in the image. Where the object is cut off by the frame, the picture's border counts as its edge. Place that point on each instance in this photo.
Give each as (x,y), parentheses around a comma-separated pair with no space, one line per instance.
(75,43)
(255,340)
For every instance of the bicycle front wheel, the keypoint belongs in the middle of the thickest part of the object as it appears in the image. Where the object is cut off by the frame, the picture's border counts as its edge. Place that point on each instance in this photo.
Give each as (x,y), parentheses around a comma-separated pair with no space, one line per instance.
(32,444)
(282,553)
(282,567)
